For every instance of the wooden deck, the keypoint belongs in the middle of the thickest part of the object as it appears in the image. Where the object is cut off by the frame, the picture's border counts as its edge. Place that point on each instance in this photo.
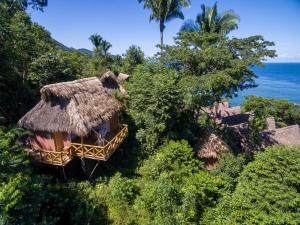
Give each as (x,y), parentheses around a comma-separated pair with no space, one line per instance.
(61,158)
(100,152)
(51,157)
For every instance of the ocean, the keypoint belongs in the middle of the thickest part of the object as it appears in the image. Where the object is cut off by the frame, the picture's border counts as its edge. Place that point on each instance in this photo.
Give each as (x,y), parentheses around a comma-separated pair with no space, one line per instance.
(276,80)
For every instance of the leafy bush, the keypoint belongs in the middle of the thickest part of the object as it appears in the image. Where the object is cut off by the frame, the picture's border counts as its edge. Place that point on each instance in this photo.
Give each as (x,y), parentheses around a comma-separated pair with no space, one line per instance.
(267,191)
(173,188)
(134,56)
(31,199)
(284,112)
(230,167)
(121,193)
(12,156)
(176,158)
(155,104)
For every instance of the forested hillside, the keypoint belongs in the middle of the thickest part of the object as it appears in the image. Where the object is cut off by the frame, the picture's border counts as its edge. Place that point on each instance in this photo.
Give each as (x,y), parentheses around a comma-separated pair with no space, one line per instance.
(155,176)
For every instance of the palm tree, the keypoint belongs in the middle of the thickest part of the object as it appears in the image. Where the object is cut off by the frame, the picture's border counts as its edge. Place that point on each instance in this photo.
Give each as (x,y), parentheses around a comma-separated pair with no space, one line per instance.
(211,22)
(96,40)
(105,46)
(164,11)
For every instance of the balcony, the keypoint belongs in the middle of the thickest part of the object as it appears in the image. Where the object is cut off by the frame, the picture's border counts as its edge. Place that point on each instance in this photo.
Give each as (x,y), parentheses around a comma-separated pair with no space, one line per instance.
(50,157)
(100,152)
(61,158)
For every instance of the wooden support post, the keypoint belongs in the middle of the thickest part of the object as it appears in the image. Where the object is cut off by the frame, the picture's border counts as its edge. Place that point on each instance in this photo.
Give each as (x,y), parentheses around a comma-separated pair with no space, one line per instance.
(82,146)
(58,141)
(64,173)
(94,169)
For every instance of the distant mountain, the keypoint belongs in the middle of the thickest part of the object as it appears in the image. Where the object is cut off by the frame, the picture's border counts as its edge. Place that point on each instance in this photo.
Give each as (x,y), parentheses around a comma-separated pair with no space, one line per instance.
(65,48)
(85,51)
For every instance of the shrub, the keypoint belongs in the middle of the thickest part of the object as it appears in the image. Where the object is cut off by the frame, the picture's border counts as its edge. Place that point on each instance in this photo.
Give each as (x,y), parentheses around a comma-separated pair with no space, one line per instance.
(268,191)
(285,112)
(155,105)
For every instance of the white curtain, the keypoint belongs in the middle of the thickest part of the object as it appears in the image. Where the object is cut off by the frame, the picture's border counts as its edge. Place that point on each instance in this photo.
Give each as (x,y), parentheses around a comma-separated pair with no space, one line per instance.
(104,128)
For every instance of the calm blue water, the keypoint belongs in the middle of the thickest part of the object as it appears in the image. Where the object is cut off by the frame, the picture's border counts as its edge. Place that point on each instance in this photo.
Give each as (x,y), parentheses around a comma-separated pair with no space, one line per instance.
(276,80)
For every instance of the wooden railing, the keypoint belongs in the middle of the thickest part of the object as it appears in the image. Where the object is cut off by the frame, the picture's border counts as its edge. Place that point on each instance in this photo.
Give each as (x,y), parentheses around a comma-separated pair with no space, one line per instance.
(100,152)
(61,158)
(51,157)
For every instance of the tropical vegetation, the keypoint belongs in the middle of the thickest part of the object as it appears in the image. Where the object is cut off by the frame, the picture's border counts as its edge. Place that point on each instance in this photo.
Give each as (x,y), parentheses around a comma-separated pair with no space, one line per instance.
(163,11)
(210,21)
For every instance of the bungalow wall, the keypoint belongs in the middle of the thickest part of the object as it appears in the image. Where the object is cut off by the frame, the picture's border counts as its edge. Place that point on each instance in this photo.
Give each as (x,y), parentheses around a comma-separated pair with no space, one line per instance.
(45,141)
(57,141)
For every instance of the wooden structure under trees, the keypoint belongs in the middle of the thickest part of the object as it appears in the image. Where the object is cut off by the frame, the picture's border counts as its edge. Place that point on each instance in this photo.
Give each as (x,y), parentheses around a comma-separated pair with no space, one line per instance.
(76,118)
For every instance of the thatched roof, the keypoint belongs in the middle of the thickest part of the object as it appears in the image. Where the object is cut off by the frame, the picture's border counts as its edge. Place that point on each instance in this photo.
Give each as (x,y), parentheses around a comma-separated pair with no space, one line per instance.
(112,82)
(289,135)
(237,119)
(122,77)
(74,107)
(211,146)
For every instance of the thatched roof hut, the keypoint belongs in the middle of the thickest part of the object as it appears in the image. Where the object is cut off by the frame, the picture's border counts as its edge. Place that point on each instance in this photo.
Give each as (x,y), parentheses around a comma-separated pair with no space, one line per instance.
(73,107)
(209,149)
(112,82)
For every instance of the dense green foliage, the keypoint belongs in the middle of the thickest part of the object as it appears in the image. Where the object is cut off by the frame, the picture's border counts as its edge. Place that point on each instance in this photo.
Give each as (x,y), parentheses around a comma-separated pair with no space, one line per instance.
(12,156)
(155,104)
(157,178)
(230,167)
(20,42)
(284,112)
(24,4)
(219,70)
(133,57)
(267,191)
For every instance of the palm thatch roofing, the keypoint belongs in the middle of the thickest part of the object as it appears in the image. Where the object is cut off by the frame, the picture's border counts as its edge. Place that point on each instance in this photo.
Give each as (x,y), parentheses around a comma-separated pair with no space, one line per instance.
(112,82)
(74,107)
(211,146)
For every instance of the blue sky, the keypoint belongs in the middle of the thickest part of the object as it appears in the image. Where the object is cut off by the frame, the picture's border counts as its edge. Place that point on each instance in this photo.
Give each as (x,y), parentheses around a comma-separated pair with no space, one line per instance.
(125,22)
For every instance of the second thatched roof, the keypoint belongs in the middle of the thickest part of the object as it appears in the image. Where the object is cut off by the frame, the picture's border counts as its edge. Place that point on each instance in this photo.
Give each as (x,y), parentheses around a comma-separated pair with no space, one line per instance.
(211,146)
(74,107)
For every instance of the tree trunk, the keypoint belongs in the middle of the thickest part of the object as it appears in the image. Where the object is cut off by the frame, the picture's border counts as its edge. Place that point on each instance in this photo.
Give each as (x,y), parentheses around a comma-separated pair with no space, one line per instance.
(161,38)
(161,28)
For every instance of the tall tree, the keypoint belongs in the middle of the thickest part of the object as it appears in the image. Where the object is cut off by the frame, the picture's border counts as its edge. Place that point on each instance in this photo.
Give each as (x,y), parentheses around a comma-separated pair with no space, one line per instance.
(133,57)
(101,46)
(105,46)
(210,21)
(164,11)
(24,4)
(96,40)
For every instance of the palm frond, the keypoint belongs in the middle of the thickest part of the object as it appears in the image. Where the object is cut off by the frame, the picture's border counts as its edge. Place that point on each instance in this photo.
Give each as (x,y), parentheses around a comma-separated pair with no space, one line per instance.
(209,20)
(189,26)
(96,40)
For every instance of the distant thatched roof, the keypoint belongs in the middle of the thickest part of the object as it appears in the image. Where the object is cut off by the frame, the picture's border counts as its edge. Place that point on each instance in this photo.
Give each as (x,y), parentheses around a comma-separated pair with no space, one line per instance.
(112,82)
(73,107)
(122,77)
(211,146)
(237,119)
(289,135)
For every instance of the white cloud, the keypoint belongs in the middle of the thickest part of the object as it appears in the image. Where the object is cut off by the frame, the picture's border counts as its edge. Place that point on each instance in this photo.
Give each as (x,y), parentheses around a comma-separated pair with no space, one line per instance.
(283,56)
(288,56)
